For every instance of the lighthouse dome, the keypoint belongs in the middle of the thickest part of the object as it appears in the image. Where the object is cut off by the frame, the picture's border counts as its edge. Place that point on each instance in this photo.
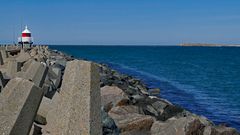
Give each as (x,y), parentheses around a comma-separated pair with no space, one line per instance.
(26,30)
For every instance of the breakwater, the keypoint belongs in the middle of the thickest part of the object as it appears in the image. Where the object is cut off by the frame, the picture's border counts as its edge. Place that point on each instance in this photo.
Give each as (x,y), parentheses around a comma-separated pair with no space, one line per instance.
(72,96)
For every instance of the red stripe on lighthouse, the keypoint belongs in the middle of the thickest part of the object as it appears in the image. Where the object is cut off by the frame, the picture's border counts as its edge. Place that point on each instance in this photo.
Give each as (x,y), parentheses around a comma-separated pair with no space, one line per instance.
(26,34)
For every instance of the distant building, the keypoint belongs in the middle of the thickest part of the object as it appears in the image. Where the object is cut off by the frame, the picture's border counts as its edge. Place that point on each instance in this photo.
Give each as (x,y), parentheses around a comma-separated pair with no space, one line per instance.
(26,39)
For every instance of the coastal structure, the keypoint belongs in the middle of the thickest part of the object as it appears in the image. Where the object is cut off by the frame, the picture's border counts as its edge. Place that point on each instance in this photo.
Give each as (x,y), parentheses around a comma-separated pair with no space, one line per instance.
(45,92)
(26,39)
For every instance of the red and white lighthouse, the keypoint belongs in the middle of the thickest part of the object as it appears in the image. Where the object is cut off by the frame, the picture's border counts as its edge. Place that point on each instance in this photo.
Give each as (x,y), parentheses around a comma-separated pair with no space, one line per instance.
(26,38)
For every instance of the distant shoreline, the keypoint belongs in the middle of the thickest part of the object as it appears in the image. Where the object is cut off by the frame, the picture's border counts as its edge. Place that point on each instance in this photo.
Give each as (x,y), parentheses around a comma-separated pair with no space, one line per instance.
(210,45)
(119,45)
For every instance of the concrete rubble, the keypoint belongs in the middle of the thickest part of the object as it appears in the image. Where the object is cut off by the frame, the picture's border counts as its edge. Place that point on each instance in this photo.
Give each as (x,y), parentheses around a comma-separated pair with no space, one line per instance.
(78,109)
(46,92)
(19,100)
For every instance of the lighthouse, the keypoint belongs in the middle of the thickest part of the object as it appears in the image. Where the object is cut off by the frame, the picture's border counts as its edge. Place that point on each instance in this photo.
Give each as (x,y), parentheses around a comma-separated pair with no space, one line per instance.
(26,39)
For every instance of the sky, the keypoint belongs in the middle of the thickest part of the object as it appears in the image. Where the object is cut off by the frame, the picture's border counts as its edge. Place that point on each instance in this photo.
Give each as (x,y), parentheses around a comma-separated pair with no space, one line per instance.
(122,22)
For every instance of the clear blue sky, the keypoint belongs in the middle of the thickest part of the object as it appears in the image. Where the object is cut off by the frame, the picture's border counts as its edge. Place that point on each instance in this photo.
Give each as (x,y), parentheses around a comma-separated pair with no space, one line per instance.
(122,21)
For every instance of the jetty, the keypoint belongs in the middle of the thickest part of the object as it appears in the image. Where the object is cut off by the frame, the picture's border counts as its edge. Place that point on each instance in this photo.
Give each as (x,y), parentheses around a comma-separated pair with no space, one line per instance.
(46,92)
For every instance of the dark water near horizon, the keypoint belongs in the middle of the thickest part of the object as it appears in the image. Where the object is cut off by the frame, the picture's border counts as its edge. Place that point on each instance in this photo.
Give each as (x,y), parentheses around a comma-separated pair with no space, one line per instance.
(204,80)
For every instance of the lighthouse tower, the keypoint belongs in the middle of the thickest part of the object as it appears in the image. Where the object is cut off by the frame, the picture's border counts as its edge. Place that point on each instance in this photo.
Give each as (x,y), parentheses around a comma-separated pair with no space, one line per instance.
(26,38)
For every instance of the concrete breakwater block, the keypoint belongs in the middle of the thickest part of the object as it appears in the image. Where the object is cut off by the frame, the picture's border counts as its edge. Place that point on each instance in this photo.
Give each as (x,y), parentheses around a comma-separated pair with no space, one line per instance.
(13,67)
(4,55)
(1,59)
(23,56)
(3,81)
(19,103)
(36,72)
(78,111)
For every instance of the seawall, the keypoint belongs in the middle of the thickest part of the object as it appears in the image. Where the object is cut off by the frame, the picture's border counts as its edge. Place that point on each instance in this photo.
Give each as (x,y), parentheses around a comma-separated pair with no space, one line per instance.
(70,96)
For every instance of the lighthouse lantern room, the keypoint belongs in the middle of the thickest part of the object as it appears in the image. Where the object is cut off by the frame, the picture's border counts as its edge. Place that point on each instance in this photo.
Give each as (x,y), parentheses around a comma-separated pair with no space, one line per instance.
(26,38)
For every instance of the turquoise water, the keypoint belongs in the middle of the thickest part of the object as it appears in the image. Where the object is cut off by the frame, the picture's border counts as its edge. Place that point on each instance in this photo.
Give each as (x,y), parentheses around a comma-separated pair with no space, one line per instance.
(204,80)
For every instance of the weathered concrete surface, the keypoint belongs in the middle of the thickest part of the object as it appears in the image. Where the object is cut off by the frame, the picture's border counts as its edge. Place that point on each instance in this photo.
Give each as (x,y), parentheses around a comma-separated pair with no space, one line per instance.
(19,103)
(37,73)
(13,67)
(23,57)
(46,106)
(2,81)
(27,64)
(79,108)
(4,55)
(1,59)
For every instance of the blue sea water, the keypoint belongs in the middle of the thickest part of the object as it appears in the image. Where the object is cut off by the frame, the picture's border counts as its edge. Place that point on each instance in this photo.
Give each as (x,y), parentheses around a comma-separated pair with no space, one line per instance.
(204,80)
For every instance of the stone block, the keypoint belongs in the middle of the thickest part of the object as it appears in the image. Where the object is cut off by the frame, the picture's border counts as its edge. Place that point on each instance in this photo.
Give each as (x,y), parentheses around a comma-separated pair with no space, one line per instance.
(23,57)
(2,81)
(112,96)
(128,119)
(13,67)
(37,73)
(27,64)
(19,103)
(46,106)
(4,55)
(78,111)
(1,59)
(183,126)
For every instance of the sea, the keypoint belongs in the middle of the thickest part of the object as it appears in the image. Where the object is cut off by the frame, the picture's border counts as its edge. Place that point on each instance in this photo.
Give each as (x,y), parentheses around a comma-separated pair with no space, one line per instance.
(203,80)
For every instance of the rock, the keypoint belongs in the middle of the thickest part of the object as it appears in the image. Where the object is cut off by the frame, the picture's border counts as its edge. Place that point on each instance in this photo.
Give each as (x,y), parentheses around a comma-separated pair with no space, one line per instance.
(124,110)
(108,124)
(136,133)
(128,119)
(154,92)
(159,105)
(181,126)
(220,130)
(136,123)
(130,91)
(19,103)
(111,95)
(137,98)
(170,111)
(79,107)
(151,111)
(158,108)
(53,79)
(142,89)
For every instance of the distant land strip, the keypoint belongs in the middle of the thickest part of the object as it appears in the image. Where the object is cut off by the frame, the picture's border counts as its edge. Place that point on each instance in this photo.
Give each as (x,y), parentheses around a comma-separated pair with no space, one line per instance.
(206,44)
